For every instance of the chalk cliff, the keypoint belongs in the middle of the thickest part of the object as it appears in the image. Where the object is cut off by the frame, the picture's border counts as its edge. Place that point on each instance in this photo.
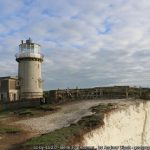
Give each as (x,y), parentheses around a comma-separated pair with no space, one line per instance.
(127,125)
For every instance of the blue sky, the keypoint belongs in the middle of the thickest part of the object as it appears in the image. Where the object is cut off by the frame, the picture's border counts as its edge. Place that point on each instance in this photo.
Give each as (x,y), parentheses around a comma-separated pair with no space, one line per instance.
(86,43)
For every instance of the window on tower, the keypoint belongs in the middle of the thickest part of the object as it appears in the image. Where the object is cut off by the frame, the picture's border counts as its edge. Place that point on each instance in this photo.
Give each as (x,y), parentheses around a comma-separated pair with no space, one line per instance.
(32,48)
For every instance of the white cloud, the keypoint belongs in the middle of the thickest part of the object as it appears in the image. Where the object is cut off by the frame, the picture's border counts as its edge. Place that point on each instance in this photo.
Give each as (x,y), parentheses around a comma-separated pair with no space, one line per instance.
(86,43)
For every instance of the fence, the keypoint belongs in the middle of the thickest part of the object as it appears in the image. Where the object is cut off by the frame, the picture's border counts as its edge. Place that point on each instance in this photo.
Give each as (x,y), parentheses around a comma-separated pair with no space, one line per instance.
(115,92)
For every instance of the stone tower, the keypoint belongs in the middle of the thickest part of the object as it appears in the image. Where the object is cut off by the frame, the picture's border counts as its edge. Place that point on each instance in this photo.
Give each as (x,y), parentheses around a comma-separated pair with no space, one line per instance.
(29,61)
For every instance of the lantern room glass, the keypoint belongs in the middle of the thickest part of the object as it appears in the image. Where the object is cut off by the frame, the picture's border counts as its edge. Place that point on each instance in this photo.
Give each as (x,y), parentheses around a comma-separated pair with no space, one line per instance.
(29,48)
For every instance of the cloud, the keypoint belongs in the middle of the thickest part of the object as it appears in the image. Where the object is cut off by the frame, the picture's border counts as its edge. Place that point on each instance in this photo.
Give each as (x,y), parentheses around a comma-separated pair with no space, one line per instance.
(86,43)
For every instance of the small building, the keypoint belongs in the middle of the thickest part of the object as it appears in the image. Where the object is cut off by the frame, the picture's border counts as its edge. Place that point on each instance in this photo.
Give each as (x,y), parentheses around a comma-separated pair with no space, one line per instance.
(9,89)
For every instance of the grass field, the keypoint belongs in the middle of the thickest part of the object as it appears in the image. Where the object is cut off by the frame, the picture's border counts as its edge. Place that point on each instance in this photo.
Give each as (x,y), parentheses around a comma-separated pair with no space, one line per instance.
(31,111)
(8,129)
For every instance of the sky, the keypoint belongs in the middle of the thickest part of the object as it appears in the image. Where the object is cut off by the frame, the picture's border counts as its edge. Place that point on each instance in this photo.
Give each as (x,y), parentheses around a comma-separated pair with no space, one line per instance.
(86,43)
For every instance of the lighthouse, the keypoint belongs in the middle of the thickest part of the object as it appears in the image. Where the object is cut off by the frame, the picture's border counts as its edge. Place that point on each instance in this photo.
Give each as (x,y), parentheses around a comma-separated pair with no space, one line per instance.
(29,61)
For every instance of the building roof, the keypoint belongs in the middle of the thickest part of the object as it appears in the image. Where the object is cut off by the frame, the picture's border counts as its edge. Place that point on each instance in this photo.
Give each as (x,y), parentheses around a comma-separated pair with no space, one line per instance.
(9,77)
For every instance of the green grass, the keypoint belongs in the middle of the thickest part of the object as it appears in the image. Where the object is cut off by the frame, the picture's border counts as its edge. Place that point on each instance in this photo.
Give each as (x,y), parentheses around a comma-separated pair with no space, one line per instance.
(30,111)
(66,135)
(58,137)
(102,107)
(8,129)
(35,110)
(25,113)
(47,107)
(90,122)
(4,112)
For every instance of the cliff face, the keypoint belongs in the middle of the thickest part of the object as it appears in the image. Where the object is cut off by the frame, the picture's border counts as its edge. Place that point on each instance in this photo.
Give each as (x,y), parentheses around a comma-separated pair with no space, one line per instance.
(128,125)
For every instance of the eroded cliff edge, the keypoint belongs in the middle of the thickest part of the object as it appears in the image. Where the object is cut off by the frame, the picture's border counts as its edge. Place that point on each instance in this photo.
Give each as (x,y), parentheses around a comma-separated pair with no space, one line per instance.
(129,124)
(110,122)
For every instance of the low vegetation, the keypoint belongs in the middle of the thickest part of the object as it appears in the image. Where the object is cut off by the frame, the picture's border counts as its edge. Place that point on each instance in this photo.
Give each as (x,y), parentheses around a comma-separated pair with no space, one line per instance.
(8,129)
(48,107)
(25,113)
(31,111)
(102,108)
(74,133)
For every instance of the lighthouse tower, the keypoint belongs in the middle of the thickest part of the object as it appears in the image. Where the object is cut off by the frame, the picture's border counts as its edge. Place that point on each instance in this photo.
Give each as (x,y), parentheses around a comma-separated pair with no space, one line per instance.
(29,61)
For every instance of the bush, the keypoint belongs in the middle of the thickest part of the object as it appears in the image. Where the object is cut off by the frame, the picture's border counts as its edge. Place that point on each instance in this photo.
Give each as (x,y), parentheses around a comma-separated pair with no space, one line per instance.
(47,107)
(25,113)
